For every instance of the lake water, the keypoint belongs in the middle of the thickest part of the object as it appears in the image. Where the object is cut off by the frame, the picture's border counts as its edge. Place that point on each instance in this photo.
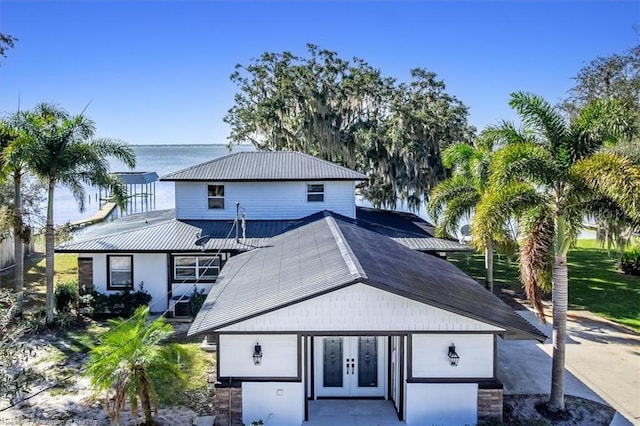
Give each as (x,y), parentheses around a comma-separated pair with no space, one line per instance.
(162,159)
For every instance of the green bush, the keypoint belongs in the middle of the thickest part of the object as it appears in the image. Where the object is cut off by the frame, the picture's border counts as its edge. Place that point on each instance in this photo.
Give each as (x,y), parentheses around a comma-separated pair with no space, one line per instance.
(66,296)
(197,300)
(122,304)
(629,263)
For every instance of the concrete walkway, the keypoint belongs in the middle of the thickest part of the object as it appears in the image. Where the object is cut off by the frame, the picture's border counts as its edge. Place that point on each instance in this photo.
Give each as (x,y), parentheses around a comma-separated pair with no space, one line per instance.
(602,364)
(336,412)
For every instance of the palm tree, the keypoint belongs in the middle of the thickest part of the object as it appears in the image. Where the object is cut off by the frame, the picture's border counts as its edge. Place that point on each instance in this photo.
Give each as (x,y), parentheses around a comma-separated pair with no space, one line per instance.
(12,162)
(62,152)
(122,366)
(457,197)
(551,176)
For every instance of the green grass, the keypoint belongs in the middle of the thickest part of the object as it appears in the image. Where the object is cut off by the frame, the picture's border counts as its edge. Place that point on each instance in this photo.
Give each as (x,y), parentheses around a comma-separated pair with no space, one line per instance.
(594,282)
(192,393)
(66,269)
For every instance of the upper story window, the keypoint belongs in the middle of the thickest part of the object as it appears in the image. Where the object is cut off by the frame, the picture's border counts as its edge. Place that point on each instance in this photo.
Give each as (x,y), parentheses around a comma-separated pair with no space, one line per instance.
(119,272)
(196,268)
(315,192)
(215,196)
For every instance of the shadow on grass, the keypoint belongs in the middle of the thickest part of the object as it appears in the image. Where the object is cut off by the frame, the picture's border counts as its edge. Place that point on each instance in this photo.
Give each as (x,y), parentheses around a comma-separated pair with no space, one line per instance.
(594,282)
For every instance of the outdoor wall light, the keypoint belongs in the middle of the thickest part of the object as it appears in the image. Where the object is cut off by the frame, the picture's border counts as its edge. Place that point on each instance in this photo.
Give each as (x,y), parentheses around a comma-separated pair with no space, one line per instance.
(453,356)
(257,354)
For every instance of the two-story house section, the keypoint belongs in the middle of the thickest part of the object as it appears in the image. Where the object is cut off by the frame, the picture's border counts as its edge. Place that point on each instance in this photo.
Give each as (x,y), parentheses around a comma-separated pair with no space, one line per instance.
(267,185)
(224,207)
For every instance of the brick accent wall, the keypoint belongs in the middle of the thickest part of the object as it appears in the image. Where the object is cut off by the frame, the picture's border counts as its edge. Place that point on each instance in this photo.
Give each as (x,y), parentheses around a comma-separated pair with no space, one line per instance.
(227,406)
(85,273)
(490,405)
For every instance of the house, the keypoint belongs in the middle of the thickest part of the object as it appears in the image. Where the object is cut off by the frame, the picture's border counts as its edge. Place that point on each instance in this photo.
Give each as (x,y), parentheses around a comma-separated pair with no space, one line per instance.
(310,296)
(225,207)
(330,309)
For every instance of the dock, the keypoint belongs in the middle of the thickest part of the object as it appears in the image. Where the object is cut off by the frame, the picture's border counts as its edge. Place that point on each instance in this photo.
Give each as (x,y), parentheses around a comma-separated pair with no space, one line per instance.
(100,216)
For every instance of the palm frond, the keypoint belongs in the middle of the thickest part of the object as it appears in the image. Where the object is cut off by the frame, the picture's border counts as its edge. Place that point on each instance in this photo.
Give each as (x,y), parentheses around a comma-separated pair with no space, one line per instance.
(502,134)
(536,256)
(457,208)
(446,191)
(457,155)
(499,204)
(613,176)
(600,123)
(541,117)
(522,162)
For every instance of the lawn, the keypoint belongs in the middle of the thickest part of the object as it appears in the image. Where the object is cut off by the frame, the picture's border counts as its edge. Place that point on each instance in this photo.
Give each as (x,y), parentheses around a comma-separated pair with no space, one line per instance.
(594,282)
(66,269)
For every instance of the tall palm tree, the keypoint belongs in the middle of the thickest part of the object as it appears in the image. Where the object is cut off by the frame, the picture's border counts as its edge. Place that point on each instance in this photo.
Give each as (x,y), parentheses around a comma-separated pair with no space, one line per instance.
(122,366)
(551,180)
(63,152)
(457,197)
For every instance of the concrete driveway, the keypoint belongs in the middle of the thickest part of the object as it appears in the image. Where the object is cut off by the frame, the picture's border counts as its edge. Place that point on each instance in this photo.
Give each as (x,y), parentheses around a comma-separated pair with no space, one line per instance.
(602,363)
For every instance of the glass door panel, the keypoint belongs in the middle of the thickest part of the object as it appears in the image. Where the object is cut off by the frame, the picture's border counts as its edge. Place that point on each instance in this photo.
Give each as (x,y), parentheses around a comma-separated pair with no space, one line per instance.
(367,362)
(332,363)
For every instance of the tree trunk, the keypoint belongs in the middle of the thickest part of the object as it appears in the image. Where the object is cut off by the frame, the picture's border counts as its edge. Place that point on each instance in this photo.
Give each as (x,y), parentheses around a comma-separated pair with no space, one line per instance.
(560,302)
(560,294)
(49,243)
(145,401)
(488,265)
(18,243)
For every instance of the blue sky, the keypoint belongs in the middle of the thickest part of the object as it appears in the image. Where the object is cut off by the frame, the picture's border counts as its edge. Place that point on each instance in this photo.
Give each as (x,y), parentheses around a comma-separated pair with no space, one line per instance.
(157,72)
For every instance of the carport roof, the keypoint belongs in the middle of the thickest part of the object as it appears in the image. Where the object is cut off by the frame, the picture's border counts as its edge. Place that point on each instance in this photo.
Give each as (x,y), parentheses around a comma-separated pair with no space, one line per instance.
(327,252)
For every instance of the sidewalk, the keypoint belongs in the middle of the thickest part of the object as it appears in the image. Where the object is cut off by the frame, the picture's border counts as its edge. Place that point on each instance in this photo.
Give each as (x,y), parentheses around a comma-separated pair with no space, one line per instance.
(602,363)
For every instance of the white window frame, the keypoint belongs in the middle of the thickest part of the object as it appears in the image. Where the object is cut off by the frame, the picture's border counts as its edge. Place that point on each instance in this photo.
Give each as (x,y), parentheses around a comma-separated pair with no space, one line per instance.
(215,197)
(198,268)
(315,193)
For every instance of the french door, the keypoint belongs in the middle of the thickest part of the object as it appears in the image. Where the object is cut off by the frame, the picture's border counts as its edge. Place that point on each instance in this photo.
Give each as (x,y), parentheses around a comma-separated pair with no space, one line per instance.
(349,366)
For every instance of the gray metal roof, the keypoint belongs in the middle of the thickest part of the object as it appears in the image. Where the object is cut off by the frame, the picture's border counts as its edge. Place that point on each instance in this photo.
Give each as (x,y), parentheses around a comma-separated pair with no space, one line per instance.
(175,236)
(265,165)
(139,233)
(327,252)
(408,229)
(137,178)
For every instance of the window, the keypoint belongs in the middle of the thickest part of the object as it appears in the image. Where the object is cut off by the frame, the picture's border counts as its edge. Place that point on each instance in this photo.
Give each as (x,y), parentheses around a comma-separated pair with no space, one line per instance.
(315,192)
(192,268)
(119,272)
(215,196)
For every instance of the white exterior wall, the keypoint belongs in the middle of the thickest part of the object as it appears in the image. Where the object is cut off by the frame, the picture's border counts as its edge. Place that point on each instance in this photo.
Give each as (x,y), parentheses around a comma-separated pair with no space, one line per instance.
(263,200)
(279,355)
(276,403)
(360,307)
(441,404)
(150,268)
(430,360)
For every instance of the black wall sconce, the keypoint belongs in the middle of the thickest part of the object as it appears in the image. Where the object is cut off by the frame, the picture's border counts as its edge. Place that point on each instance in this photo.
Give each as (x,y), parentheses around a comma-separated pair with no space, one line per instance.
(453,356)
(257,354)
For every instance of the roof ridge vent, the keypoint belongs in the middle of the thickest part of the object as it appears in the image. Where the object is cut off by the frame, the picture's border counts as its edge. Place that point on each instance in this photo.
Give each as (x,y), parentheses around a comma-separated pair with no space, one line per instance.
(345,250)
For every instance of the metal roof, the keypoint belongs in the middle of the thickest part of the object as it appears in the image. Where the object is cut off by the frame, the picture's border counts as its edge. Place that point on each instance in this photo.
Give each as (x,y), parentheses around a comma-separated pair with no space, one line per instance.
(176,235)
(265,165)
(140,233)
(407,229)
(137,178)
(159,231)
(328,252)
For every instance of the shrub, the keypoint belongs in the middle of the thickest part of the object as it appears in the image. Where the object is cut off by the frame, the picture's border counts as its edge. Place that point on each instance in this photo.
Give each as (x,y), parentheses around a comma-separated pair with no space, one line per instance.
(197,300)
(630,261)
(66,296)
(64,320)
(122,303)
